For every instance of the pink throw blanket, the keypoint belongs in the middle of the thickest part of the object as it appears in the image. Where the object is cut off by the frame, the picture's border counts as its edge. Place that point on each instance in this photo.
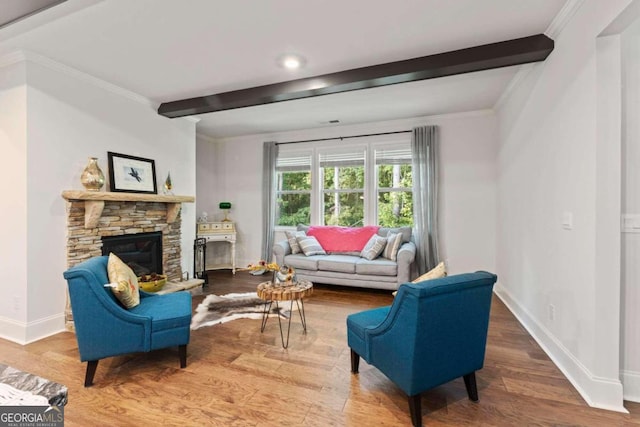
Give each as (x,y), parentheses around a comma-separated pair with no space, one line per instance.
(342,239)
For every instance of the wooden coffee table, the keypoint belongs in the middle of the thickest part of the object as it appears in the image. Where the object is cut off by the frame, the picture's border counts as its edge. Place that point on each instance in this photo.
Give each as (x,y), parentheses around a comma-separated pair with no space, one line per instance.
(271,293)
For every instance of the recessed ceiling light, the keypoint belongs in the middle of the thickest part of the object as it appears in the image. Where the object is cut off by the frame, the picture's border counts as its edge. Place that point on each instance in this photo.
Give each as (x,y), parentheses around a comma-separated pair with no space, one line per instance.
(291,61)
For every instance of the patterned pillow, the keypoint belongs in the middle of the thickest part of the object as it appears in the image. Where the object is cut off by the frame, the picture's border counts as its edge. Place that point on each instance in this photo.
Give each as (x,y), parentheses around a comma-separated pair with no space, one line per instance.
(374,247)
(293,243)
(435,273)
(310,245)
(124,283)
(394,240)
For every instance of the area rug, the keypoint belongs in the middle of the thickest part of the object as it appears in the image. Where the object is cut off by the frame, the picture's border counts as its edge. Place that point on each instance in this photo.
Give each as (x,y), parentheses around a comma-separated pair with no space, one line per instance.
(216,309)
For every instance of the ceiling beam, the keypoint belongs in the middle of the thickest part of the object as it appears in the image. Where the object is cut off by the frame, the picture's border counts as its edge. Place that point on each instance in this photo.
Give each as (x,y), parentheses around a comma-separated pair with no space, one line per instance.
(495,55)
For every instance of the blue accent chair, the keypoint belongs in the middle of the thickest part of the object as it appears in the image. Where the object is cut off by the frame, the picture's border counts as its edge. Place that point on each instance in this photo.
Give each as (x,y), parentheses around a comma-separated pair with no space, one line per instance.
(435,331)
(104,328)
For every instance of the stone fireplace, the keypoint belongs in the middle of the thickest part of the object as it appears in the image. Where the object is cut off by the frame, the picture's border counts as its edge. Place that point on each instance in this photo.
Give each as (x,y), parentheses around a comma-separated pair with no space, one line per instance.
(92,216)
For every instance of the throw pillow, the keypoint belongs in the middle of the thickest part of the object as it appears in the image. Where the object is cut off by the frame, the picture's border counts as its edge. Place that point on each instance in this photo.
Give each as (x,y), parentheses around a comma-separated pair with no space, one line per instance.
(293,243)
(374,247)
(435,273)
(124,283)
(310,245)
(394,240)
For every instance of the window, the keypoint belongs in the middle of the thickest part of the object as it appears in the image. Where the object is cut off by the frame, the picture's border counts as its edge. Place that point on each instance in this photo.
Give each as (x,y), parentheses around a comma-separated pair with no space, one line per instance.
(293,189)
(394,187)
(343,177)
(355,184)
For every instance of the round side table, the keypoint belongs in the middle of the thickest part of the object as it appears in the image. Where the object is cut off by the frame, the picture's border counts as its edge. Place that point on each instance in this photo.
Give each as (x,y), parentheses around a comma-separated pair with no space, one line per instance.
(271,293)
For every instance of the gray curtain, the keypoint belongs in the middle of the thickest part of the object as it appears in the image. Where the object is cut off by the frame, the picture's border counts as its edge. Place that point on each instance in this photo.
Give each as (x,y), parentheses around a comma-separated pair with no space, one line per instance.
(424,149)
(269,156)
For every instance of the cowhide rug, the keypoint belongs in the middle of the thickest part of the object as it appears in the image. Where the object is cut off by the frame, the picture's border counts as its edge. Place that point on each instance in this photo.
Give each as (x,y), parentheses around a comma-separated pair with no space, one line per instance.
(216,309)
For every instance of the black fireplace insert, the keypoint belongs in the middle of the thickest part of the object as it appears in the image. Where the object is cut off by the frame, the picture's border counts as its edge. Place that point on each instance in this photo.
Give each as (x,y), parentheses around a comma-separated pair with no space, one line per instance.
(142,251)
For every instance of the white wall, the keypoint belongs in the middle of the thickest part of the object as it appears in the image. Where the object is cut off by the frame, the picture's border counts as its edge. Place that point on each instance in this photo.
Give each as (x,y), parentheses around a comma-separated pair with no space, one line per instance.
(553,162)
(630,297)
(13,205)
(70,117)
(468,197)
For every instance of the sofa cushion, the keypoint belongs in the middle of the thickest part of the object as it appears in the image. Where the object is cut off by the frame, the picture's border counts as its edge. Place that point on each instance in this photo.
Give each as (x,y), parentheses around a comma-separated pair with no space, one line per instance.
(339,263)
(342,239)
(303,262)
(405,231)
(394,240)
(123,282)
(310,245)
(374,247)
(167,311)
(378,267)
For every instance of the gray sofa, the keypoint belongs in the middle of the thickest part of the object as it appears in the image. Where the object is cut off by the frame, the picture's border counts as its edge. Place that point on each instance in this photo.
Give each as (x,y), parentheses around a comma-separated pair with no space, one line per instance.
(350,269)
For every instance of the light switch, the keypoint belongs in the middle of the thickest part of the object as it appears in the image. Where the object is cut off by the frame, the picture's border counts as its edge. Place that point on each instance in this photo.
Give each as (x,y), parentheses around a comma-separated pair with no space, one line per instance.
(631,223)
(567,221)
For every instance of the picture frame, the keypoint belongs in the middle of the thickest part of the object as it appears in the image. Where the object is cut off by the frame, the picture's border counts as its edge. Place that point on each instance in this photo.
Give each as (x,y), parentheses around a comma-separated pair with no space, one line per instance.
(131,174)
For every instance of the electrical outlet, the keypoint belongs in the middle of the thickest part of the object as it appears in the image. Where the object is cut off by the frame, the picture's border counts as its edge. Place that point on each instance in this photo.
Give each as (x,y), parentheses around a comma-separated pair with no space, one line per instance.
(552,312)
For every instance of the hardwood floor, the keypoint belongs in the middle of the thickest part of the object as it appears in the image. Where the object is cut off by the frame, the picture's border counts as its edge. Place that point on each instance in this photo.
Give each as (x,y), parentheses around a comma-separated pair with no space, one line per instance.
(237,376)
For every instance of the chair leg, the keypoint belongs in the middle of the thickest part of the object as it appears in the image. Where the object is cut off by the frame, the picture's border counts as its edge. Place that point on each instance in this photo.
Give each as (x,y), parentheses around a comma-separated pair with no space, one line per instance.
(355,362)
(182,351)
(470,384)
(92,365)
(415,409)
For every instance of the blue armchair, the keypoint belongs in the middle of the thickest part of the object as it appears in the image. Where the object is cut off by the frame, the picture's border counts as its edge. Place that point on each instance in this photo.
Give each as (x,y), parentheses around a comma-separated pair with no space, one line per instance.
(105,329)
(435,331)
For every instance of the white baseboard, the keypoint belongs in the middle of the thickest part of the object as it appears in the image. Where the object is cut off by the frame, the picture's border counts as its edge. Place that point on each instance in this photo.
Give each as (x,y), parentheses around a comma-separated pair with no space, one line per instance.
(26,333)
(631,382)
(603,393)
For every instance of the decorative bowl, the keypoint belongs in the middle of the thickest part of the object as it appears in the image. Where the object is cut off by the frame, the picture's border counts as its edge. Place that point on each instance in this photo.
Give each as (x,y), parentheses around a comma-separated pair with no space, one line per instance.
(150,283)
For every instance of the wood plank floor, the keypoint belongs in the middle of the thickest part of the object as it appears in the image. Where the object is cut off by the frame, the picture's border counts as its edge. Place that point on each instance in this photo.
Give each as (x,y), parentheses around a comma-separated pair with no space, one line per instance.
(237,376)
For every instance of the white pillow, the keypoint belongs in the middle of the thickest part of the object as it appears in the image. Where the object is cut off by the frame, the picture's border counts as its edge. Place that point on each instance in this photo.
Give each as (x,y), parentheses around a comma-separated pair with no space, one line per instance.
(374,247)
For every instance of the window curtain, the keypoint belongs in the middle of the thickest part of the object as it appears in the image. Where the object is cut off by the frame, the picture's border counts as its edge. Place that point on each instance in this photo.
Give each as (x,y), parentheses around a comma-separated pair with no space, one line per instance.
(424,149)
(269,156)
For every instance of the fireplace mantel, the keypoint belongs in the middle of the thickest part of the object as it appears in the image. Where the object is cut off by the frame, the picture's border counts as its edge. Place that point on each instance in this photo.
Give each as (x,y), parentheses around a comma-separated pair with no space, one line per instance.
(94,202)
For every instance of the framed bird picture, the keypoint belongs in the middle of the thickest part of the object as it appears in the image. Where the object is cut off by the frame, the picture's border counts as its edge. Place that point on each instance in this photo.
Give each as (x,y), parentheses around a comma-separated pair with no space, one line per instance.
(131,174)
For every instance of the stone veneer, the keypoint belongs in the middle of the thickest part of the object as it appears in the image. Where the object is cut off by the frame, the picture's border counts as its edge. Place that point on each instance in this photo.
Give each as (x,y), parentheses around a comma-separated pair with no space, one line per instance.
(118,218)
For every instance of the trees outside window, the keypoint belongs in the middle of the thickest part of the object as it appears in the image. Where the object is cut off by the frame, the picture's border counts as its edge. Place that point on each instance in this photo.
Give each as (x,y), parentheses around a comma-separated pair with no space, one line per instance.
(394,182)
(293,190)
(370,183)
(343,182)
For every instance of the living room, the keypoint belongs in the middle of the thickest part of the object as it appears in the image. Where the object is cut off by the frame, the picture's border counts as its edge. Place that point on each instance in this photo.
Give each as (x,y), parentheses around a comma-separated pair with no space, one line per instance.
(529,183)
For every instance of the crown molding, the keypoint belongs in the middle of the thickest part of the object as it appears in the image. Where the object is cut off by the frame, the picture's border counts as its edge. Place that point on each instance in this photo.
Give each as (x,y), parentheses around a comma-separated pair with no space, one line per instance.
(18,56)
(562,18)
(88,78)
(205,137)
(553,31)
(523,72)
(12,58)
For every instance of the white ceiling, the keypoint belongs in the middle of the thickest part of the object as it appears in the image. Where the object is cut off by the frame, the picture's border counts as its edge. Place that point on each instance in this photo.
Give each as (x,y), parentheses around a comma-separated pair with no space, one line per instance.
(166,50)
